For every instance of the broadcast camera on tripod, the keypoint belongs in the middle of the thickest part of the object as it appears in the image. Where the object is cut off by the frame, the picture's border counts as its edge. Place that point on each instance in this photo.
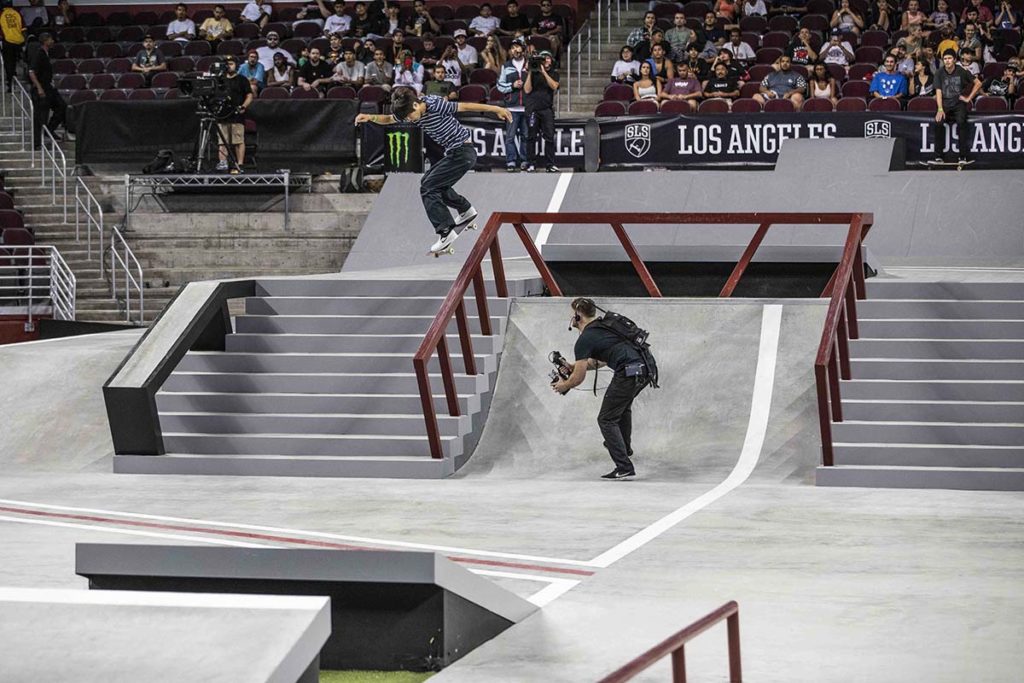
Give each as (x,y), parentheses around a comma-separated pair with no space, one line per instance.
(213,106)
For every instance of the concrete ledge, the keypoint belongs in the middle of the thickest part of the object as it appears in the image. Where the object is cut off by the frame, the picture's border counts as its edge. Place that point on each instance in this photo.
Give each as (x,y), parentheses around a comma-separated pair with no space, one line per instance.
(959,478)
(384,467)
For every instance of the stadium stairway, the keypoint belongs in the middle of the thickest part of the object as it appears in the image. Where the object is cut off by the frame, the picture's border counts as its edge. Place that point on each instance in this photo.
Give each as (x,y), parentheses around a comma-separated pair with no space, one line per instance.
(317,380)
(589,91)
(937,395)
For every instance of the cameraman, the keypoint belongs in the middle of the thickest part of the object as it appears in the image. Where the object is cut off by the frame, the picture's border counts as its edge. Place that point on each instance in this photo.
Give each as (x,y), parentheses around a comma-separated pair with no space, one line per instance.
(540,86)
(232,128)
(598,346)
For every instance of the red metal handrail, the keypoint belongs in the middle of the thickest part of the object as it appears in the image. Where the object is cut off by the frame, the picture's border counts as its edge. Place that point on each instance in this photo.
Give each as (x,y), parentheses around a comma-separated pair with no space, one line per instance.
(487,243)
(674,645)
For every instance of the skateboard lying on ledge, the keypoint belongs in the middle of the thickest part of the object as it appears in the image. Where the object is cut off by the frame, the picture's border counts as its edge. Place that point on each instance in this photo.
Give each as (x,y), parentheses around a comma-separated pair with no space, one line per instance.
(959,165)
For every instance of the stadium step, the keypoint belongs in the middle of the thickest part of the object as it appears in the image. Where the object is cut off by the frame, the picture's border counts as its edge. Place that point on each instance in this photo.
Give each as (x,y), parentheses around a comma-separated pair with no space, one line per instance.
(937,395)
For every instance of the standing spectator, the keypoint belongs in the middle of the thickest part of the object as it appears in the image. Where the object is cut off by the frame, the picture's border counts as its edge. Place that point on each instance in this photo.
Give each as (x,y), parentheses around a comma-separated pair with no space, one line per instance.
(65,16)
(35,14)
(513,23)
(921,84)
(846,19)
(430,54)
(722,84)
(253,71)
(1005,87)
(316,73)
(13,40)
(466,53)
(182,28)
(683,87)
(679,37)
(218,27)
(837,50)
(955,87)
(626,69)
(888,83)
(754,8)
(510,85)
(380,71)
(257,12)
(741,52)
(408,72)
(493,56)
(784,84)
(821,84)
(540,86)
(232,128)
(800,49)
(485,23)
(421,22)
(550,25)
(46,101)
(942,16)
(643,32)
(273,47)
(349,70)
(984,13)
(452,66)
(149,60)
(282,74)
(338,23)
(440,85)
(645,87)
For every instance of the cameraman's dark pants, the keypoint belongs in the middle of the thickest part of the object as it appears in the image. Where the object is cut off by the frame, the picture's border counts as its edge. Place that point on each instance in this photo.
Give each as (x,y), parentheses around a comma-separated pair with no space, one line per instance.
(955,114)
(616,417)
(50,105)
(436,187)
(542,122)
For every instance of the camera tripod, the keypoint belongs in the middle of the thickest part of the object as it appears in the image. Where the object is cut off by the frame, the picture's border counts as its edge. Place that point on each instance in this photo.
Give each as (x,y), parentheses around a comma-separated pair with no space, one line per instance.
(210,132)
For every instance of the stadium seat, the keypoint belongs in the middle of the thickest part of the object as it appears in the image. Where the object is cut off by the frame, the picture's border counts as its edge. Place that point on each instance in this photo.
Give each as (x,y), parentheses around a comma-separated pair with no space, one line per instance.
(610,108)
(856,88)
(11,219)
(102,82)
(991,105)
(64,66)
(993,70)
(877,39)
(779,106)
(750,89)
(81,97)
(768,55)
(473,92)
(618,93)
(108,51)
(229,47)
(339,92)
(307,30)
(759,71)
(6,201)
(197,48)
(450,26)
(57,51)
(141,94)
(247,31)
(301,94)
(818,104)
(884,104)
(166,79)
(158,30)
(924,104)
(146,18)
(282,29)
(851,104)
(754,24)
(81,51)
(113,96)
(825,7)
(746,105)
(643,108)
(783,22)
(295,45)
(484,77)
(277,93)
(119,19)
(91,66)
(467,12)
(203,64)
(837,72)
(172,94)
(131,81)
(862,72)
(98,34)
(697,9)
(752,39)
(73,82)
(131,34)
(71,34)
(715,105)
(371,97)
(675,107)
(170,48)
(800,69)
(120,65)
(324,45)
(541,43)
(182,64)
(815,22)
(869,55)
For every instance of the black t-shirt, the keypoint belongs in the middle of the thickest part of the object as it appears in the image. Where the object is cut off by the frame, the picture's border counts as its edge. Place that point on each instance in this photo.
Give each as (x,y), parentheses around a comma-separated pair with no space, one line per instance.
(798,52)
(541,96)
(727,84)
(997,87)
(237,89)
(429,57)
(313,72)
(546,24)
(953,85)
(700,68)
(42,67)
(602,344)
(517,23)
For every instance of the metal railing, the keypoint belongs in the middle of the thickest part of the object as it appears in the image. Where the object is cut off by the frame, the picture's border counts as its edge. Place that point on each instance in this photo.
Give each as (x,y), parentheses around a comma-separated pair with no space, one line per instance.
(50,151)
(89,212)
(36,279)
(22,114)
(123,261)
(675,646)
(583,40)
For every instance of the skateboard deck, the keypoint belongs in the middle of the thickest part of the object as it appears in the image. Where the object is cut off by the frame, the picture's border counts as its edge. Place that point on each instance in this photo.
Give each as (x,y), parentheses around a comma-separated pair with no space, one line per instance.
(958,165)
(459,229)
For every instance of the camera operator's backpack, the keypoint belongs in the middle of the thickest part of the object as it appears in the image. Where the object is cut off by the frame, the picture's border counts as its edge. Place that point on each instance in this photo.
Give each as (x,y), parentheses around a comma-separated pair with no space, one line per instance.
(630,332)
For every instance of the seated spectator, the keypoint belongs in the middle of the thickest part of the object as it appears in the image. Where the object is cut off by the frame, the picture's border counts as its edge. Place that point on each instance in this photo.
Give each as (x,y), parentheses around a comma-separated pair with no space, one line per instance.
(945,39)
(549,25)
(929,58)
(913,42)
(440,86)
(754,8)
(645,87)
(421,23)
(485,23)
(783,84)
(699,66)
(408,72)
(273,47)
(429,55)
(367,25)
(822,85)
(904,63)
(793,8)
(888,83)
(218,27)
(282,74)
(312,13)
(967,62)
(149,60)
(682,87)
(338,23)
(513,23)
(642,32)
(984,14)
(1005,86)
(800,50)
(65,16)
(350,71)
(661,66)
(393,18)
(912,16)
(1006,18)
(626,69)
(35,14)
(398,46)
(334,50)
(922,82)
(881,16)
(846,19)
(452,66)
(493,56)
(1015,63)
(465,52)
(316,73)
(254,71)
(941,16)
(722,84)
(645,47)
(710,33)
(971,41)
(182,28)
(732,67)
(257,12)
(365,50)
(679,37)
(380,72)
(837,50)
(727,10)
(741,52)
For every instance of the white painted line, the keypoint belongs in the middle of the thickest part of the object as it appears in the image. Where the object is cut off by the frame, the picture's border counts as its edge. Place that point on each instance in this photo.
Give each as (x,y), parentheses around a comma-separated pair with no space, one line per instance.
(132,532)
(554,206)
(757,427)
(73,596)
(313,534)
(554,589)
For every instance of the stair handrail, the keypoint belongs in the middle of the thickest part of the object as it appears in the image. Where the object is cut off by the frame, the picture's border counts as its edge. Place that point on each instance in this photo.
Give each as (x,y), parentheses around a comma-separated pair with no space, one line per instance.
(675,645)
(832,361)
(87,208)
(50,151)
(582,40)
(22,103)
(36,274)
(123,261)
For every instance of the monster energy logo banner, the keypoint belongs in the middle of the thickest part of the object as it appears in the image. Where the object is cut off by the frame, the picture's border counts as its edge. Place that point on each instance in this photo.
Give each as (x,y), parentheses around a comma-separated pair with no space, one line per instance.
(403,149)
(398,148)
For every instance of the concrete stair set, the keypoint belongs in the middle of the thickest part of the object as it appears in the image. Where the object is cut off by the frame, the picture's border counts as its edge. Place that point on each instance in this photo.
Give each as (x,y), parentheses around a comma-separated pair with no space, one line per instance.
(317,380)
(937,395)
(592,87)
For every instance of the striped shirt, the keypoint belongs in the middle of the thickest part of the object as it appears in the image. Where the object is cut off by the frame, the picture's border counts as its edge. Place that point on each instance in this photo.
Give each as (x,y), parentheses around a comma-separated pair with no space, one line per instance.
(440,124)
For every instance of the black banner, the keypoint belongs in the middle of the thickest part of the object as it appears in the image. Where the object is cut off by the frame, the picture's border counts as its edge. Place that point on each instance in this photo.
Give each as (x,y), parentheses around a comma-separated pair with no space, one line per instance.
(300,135)
(489,140)
(997,141)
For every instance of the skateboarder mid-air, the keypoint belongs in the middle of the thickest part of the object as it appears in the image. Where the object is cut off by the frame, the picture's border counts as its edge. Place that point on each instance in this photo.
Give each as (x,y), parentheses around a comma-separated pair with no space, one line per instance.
(436,116)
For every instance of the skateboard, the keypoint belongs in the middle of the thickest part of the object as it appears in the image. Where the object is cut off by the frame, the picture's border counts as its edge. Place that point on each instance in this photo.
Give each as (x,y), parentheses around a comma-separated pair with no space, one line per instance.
(947,164)
(459,229)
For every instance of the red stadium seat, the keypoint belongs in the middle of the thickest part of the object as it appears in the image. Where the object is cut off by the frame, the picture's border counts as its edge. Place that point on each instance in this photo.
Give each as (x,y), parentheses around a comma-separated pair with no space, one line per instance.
(371,96)
(884,104)
(181,64)
(697,8)
(131,34)
(783,22)
(166,79)
(73,82)
(991,105)
(754,24)
(81,97)
(307,30)
(80,51)
(71,34)
(856,88)
(171,48)
(172,94)
(768,55)
(851,104)
(141,94)
(777,39)
(610,108)
(197,48)
(879,39)
(473,93)
(247,31)
(837,72)
(119,19)
(302,93)
(816,104)
(146,18)
(824,7)
(282,29)
(643,108)
(862,72)
(869,55)
(815,22)
(779,106)
(277,93)
(229,47)
(91,66)
(618,93)
(759,71)
(483,77)
(203,64)
(6,201)
(64,66)
(102,82)
(11,219)
(121,65)
(341,92)
(108,51)
(746,105)
(467,12)
(98,34)
(113,95)
(132,81)
(925,104)
(752,39)
(750,89)
(715,105)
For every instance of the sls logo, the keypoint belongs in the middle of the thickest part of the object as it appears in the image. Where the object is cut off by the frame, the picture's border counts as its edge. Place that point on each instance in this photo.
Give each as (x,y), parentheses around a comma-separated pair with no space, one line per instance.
(877,128)
(638,139)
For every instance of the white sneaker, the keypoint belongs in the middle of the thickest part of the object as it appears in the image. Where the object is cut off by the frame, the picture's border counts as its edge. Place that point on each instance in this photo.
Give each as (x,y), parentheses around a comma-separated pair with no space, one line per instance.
(444,241)
(466,217)
(222,165)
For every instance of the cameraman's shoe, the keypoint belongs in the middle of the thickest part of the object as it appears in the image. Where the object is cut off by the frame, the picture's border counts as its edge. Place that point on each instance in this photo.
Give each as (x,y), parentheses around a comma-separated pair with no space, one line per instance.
(618,474)
(512,168)
(530,169)
(222,165)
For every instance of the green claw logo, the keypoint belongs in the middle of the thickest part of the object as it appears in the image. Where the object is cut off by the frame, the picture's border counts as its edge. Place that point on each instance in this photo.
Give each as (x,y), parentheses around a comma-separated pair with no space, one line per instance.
(398,147)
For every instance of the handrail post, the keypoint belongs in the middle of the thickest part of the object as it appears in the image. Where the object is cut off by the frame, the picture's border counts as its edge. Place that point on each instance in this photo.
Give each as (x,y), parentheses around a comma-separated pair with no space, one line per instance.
(498,268)
(469,360)
(447,376)
(427,403)
(833,384)
(745,259)
(638,264)
(735,661)
(844,346)
(679,665)
(482,311)
(538,260)
(851,308)
(824,419)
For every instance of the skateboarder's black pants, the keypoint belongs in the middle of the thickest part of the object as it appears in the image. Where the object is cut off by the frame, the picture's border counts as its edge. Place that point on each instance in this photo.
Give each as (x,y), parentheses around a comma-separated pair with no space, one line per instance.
(616,417)
(541,123)
(436,186)
(957,113)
